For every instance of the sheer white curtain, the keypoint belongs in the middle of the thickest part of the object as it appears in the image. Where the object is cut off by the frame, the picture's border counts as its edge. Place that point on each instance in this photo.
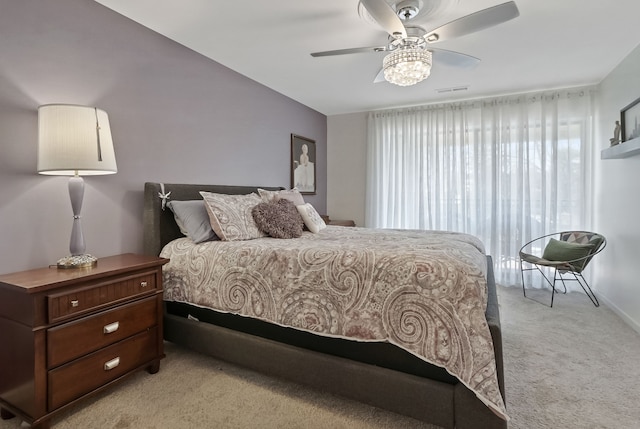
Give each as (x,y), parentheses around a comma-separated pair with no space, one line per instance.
(504,169)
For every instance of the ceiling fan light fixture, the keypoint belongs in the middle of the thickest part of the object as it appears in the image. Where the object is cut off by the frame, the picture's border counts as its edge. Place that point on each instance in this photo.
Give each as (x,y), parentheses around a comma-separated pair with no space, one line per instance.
(408,66)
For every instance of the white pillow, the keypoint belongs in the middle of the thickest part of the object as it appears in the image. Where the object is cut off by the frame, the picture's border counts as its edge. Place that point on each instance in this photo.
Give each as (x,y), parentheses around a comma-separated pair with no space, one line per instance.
(311,218)
(230,215)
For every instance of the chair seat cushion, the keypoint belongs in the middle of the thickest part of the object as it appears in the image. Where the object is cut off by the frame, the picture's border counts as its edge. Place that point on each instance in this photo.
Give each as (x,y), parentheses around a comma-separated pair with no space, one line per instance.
(557,250)
(540,261)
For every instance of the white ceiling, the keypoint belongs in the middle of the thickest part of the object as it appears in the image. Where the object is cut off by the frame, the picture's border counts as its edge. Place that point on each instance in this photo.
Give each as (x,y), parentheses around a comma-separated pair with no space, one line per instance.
(552,44)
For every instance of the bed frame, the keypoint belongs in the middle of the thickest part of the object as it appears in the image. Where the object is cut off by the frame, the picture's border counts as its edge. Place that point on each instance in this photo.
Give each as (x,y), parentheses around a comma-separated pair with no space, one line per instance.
(422,391)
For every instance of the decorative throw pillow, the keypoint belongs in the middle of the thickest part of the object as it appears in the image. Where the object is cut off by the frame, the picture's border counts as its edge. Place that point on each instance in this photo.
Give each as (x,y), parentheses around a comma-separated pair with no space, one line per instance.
(230,215)
(279,219)
(596,241)
(193,220)
(311,218)
(292,195)
(557,250)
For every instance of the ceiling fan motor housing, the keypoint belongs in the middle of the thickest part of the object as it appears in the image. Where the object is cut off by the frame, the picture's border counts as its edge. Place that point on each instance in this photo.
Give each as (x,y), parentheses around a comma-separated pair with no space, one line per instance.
(407,9)
(422,11)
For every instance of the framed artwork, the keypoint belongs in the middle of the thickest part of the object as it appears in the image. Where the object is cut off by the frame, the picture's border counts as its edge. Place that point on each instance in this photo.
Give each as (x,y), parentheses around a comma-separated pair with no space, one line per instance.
(303,164)
(630,121)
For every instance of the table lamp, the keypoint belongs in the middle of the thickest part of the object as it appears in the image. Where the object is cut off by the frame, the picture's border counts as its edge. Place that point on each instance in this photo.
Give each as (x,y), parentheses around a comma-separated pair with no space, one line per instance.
(73,141)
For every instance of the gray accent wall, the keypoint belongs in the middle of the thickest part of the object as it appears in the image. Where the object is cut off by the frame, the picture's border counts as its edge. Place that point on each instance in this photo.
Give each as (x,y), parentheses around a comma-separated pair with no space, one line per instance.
(175,116)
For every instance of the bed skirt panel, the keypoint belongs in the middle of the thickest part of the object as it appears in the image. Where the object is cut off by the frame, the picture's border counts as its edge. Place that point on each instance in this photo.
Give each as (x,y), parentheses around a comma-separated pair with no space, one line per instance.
(380,387)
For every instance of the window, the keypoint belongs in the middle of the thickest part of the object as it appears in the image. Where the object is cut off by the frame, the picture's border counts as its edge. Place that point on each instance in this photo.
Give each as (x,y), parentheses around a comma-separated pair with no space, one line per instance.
(505,170)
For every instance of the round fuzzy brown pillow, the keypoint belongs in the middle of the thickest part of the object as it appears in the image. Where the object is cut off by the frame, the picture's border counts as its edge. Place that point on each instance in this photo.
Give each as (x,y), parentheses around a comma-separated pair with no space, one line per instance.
(279,219)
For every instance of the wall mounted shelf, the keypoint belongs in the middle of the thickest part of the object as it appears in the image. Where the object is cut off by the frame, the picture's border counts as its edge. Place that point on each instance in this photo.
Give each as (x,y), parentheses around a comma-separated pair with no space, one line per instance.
(622,150)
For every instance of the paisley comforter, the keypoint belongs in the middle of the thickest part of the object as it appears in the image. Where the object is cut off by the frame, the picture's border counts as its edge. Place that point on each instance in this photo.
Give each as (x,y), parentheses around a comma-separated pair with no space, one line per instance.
(424,291)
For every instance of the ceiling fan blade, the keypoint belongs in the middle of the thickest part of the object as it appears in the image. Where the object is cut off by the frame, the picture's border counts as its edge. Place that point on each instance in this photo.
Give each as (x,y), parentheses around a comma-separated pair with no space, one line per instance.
(453,58)
(475,22)
(385,17)
(379,77)
(349,51)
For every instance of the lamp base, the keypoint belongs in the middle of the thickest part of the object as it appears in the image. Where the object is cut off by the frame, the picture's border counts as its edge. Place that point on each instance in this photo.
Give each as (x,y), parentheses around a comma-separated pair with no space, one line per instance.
(77,261)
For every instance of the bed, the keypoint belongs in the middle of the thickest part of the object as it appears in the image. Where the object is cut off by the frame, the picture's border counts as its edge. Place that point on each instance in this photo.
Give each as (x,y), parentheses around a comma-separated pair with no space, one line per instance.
(377,369)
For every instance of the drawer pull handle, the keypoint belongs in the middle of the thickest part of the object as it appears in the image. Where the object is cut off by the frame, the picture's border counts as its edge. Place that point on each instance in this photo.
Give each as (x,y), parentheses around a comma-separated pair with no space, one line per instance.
(108,366)
(143,284)
(75,303)
(111,327)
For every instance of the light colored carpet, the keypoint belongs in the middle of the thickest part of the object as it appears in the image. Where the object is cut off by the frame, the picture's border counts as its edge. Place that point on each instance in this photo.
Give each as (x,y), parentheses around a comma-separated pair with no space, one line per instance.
(570,366)
(573,366)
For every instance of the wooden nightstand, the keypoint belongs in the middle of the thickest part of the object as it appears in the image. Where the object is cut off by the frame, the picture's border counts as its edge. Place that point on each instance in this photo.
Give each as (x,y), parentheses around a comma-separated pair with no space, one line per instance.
(337,222)
(342,222)
(68,333)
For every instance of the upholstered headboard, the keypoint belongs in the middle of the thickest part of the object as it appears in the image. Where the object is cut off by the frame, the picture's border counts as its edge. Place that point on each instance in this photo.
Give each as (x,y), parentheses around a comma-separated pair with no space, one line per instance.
(159,225)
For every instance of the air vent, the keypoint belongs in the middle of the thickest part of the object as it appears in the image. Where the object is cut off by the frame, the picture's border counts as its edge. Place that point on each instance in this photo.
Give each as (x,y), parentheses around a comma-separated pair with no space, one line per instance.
(452,89)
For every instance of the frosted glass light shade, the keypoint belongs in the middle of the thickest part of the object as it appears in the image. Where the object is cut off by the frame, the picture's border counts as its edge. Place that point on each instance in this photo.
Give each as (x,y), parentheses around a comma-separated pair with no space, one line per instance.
(407,66)
(74,140)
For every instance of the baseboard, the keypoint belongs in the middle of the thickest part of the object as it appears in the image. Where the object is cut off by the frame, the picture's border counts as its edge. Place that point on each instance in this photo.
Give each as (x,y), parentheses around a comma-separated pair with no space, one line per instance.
(624,316)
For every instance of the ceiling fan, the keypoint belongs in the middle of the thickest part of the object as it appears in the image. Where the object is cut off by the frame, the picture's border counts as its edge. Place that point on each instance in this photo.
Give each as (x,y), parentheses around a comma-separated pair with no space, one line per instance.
(410,53)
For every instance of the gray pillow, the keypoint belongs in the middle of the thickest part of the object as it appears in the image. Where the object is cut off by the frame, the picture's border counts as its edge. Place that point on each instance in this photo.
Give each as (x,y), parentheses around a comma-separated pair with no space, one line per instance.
(278,218)
(193,220)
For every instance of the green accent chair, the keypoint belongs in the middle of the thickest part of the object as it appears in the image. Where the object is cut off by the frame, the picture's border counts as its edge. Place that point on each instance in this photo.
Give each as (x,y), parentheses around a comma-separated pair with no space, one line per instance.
(566,253)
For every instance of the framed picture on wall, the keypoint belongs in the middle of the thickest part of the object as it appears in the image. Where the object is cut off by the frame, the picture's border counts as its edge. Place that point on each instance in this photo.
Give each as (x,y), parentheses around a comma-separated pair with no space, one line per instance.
(630,121)
(303,164)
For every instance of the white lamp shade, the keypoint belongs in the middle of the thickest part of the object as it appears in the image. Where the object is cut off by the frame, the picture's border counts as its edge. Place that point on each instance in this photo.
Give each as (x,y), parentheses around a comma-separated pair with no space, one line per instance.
(74,140)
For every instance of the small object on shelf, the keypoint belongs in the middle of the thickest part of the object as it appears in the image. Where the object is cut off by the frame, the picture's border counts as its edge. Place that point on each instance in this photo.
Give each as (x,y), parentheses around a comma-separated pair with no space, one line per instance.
(616,135)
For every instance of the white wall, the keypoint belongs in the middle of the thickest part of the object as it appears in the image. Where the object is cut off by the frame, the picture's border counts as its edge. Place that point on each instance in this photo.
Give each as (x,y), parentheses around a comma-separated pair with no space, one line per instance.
(617,202)
(346,166)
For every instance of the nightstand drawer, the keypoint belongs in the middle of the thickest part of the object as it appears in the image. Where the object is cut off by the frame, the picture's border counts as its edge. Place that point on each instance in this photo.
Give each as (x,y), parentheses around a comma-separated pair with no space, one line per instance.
(77,338)
(95,370)
(84,300)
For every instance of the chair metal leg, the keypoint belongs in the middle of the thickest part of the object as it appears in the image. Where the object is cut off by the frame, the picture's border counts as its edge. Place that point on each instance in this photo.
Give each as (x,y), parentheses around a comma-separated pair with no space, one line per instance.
(557,275)
(552,284)
(583,284)
(586,288)
(522,274)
